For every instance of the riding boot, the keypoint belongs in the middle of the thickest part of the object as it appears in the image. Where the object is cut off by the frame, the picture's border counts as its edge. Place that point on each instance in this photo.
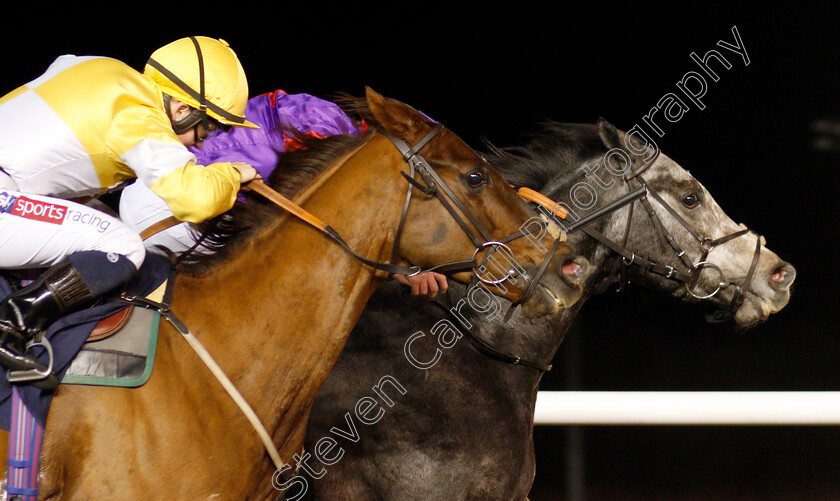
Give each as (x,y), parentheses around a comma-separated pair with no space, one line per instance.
(27,313)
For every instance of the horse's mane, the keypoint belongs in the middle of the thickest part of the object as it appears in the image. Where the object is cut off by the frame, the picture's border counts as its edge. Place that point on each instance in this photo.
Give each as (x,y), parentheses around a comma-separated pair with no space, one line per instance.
(555,149)
(296,169)
(356,107)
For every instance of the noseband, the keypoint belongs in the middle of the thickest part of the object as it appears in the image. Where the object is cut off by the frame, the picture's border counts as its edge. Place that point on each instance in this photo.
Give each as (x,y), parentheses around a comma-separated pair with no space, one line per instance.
(691,276)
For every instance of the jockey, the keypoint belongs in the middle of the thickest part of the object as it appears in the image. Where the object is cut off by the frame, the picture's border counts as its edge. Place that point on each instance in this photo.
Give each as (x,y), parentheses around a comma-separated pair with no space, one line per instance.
(279,116)
(88,125)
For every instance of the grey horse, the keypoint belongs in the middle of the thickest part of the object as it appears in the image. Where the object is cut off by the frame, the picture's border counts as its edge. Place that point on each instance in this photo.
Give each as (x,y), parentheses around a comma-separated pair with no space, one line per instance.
(434,398)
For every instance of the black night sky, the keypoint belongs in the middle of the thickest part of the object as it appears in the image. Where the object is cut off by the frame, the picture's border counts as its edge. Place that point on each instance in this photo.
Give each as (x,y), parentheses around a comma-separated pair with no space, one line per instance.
(767,146)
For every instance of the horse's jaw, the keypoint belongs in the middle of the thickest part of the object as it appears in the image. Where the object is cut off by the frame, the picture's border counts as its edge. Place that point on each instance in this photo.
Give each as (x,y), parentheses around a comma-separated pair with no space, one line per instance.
(757,309)
(753,312)
(544,302)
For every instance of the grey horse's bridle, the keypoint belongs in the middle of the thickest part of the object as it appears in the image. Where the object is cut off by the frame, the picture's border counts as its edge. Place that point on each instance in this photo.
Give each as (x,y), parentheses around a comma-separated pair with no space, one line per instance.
(691,276)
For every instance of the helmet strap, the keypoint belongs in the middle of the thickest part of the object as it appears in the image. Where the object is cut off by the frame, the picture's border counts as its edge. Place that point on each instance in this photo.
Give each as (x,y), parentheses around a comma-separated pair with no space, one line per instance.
(195,116)
(188,122)
(202,101)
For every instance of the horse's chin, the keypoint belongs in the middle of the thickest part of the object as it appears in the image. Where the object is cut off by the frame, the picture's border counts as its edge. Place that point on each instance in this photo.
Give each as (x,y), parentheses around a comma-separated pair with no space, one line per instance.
(752,312)
(546,301)
(756,310)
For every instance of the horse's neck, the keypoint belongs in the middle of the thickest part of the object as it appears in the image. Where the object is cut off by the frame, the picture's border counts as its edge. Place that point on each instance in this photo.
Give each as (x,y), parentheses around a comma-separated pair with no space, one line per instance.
(277,314)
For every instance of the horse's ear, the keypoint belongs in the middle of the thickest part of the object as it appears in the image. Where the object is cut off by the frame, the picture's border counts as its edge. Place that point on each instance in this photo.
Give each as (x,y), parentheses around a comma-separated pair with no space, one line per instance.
(608,134)
(394,116)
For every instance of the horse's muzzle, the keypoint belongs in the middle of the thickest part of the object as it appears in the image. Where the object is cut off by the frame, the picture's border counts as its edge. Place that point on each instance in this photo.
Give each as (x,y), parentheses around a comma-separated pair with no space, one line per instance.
(560,287)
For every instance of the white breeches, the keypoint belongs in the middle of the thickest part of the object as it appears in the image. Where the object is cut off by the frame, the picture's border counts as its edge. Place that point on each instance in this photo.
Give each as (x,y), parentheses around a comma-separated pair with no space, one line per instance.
(140,208)
(38,231)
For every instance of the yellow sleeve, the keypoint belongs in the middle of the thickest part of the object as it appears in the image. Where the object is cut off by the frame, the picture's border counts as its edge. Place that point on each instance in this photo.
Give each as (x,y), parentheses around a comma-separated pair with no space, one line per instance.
(196,192)
(144,141)
(142,137)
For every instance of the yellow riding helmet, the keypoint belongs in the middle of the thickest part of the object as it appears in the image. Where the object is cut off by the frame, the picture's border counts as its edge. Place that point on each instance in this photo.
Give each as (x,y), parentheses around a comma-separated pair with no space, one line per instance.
(205,74)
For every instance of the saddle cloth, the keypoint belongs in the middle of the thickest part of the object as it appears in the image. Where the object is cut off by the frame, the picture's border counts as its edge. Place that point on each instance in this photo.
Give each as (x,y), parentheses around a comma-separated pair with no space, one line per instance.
(121,349)
(70,333)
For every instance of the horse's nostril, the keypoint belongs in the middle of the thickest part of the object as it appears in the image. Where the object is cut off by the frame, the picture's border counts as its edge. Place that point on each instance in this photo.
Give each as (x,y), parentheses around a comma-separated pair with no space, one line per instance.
(783,276)
(571,268)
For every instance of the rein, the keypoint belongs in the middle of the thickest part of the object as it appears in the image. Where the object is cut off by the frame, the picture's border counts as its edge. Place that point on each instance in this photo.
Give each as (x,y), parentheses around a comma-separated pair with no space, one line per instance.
(432,184)
(433,181)
(487,349)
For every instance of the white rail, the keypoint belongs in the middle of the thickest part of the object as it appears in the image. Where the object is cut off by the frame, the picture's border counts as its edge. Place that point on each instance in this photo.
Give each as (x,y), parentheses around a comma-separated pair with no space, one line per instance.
(688,408)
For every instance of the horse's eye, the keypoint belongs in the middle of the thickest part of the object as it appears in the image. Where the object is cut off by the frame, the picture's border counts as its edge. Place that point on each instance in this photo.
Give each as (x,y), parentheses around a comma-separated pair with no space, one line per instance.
(691,201)
(475,179)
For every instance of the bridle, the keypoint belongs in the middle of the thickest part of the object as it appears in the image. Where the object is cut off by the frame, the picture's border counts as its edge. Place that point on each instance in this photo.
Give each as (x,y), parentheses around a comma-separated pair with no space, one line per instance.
(690,276)
(435,186)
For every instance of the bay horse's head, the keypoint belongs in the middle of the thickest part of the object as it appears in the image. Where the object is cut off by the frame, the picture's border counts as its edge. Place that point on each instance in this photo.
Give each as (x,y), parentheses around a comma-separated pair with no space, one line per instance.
(459,207)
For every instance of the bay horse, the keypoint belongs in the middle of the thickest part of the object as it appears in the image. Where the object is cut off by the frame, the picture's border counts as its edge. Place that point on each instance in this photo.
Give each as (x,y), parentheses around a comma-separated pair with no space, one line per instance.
(462,429)
(275,305)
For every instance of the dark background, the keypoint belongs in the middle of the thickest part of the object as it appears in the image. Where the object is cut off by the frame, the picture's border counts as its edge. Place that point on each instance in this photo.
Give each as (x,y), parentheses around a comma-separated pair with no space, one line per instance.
(494,74)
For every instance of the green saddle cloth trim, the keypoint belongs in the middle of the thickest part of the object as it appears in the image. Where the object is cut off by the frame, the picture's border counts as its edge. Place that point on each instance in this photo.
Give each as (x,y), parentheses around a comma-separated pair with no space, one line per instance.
(112,361)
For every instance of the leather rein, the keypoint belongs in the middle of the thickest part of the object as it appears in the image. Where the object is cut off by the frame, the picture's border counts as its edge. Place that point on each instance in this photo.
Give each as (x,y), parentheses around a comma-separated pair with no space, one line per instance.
(432,184)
